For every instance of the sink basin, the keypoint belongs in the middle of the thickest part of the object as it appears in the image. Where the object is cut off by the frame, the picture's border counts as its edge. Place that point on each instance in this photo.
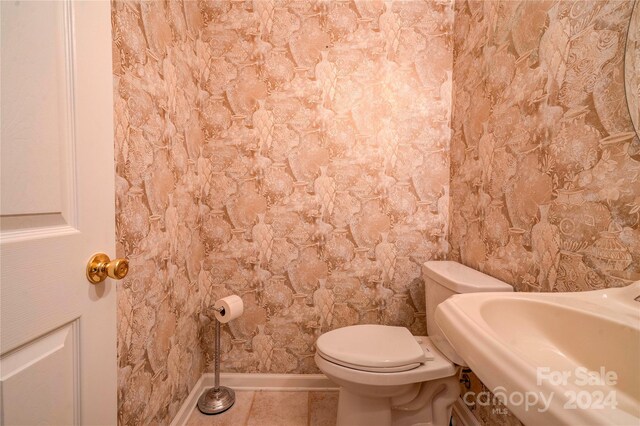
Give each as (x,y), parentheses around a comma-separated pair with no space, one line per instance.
(553,358)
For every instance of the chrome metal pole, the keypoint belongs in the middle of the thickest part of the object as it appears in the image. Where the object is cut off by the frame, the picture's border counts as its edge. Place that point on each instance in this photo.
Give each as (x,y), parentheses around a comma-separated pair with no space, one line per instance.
(217,399)
(217,359)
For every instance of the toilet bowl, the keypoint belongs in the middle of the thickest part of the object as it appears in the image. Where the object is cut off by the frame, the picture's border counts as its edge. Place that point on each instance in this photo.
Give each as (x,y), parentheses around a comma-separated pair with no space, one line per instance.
(389,397)
(389,377)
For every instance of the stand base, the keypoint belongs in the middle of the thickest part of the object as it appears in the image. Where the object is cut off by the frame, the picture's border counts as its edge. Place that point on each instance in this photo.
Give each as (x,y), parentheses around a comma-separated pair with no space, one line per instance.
(214,401)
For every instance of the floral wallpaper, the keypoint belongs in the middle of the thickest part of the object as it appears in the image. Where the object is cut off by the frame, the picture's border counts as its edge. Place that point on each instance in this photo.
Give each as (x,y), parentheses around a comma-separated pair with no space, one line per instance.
(300,154)
(326,170)
(545,176)
(295,153)
(544,192)
(158,141)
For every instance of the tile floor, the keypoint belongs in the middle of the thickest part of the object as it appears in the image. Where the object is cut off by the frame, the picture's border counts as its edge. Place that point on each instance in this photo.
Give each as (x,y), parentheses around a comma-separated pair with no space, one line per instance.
(265,408)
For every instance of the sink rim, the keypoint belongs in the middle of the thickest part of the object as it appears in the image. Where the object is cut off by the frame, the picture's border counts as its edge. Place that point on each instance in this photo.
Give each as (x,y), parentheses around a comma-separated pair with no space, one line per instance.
(484,350)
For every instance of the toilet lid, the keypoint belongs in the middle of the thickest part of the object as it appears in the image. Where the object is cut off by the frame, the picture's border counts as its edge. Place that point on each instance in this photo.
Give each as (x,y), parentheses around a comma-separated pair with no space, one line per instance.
(372,348)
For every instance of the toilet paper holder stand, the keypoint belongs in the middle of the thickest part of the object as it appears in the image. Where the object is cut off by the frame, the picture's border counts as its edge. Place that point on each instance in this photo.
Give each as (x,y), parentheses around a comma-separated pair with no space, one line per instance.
(217,399)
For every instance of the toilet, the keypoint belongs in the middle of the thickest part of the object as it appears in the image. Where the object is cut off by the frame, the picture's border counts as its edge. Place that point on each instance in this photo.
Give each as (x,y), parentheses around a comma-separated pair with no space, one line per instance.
(386,375)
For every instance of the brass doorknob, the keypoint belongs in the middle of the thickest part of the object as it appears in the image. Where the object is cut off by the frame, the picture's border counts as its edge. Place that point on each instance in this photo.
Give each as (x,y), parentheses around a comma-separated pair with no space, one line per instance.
(100,267)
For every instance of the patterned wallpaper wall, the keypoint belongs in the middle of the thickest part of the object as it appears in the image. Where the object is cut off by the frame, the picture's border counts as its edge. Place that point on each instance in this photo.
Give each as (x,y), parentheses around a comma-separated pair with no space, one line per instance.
(158,136)
(545,193)
(326,170)
(293,152)
(545,177)
(297,153)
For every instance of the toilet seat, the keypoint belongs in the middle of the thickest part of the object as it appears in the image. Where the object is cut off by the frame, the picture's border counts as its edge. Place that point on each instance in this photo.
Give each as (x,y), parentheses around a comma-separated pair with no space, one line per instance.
(371,369)
(373,348)
(433,369)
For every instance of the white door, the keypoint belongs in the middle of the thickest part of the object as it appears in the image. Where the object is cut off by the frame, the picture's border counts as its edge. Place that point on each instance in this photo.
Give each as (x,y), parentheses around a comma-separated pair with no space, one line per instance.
(57,331)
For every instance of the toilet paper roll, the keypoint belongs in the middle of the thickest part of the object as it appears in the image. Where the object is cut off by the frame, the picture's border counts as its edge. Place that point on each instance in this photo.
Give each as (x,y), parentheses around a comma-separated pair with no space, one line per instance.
(232,308)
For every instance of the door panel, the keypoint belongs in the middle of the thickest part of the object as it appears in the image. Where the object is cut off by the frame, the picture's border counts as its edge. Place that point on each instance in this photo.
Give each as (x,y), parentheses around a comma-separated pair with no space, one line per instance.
(57,331)
(54,355)
(36,111)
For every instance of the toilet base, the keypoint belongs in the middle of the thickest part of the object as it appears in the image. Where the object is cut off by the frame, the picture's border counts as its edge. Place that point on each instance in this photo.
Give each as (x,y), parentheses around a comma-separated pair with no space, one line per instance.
(363,410)
(431,406)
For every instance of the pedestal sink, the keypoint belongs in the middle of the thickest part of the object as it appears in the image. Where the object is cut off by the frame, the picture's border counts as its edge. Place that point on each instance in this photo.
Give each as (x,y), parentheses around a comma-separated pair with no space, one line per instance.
(553,358)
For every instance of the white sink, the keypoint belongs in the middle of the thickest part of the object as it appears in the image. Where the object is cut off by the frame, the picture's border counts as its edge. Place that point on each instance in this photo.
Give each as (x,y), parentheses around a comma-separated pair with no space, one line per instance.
(575,356)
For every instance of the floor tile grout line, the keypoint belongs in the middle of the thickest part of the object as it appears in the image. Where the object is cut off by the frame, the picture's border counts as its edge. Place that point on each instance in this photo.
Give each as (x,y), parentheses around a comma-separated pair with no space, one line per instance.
(253,397)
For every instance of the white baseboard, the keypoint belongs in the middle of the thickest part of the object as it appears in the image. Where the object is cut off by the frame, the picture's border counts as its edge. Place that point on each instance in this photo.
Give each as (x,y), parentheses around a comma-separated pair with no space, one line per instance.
(463,414)
(253,381)
(184,412)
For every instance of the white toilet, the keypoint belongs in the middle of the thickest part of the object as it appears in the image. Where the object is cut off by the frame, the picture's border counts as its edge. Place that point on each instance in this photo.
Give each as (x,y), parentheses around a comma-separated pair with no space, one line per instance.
(389,377)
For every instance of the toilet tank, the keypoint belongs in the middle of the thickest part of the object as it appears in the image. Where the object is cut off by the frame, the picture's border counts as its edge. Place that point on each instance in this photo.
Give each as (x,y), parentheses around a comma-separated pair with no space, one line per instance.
(444,278)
